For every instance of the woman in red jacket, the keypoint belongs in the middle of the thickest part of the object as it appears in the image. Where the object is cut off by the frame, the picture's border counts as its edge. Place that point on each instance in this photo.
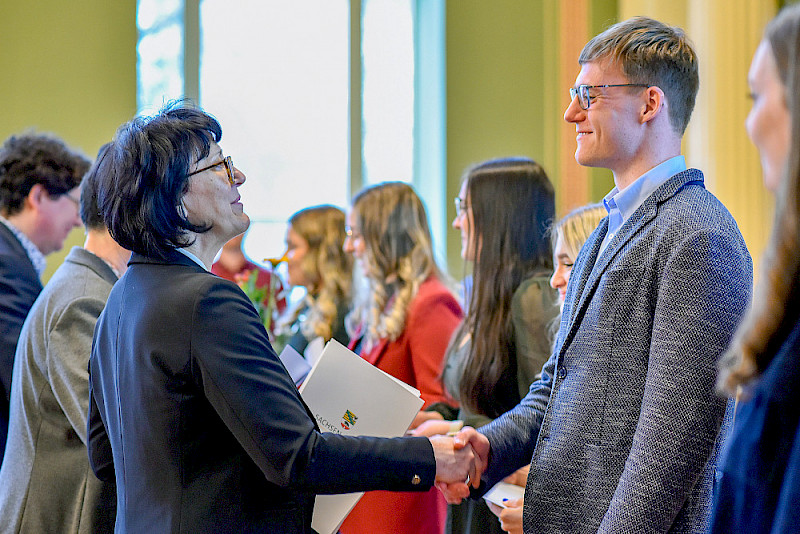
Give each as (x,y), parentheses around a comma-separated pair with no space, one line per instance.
(402,325)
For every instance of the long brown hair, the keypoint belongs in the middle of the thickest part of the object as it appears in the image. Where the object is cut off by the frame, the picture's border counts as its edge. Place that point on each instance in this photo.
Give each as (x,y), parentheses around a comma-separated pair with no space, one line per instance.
(775,307)
(398,257)
(326,265)
(512,203)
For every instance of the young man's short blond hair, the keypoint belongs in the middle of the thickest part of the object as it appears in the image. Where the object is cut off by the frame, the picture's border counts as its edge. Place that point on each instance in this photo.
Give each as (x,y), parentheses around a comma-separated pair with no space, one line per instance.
(653,53)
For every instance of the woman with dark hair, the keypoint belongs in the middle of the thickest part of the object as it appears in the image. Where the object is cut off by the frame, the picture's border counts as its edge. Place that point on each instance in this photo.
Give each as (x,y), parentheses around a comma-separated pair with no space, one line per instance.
(401,325)
(190,408)
(504,210)
(317,261)
(759,487)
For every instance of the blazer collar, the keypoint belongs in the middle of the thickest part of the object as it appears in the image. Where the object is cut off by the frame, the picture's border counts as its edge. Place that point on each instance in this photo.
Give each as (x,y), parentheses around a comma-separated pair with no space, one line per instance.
(589,268)
(81,256)
(173,258)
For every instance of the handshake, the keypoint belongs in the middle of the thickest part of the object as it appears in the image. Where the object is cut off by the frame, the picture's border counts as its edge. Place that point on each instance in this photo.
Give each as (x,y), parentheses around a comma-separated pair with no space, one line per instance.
(460,461)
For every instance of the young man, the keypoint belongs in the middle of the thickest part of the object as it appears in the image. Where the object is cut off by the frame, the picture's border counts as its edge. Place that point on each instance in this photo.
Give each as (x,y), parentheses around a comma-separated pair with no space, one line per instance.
(39,178)
(46,484)
(624,425)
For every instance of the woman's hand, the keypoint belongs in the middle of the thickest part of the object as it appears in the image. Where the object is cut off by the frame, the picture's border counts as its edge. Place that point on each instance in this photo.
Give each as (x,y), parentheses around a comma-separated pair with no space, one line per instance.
(423,416)
(510,517)
(519,477)
(434,427)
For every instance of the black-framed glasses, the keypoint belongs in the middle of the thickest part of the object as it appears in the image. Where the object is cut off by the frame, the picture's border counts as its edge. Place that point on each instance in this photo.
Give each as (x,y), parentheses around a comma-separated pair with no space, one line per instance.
(227,161)
(461,206)
(582,92)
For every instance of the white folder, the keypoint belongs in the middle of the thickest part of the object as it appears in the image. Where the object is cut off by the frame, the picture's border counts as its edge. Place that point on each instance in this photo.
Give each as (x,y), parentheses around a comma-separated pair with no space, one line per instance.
(352,397)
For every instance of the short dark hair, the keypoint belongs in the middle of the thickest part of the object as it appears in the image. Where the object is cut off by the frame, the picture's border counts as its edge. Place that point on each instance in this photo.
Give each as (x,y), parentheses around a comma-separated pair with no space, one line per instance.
(90,212)
(652,53)
(30,159)
(141,199)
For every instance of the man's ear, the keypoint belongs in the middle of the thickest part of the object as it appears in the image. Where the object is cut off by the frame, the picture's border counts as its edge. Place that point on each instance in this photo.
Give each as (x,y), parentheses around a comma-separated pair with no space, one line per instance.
(35,197)
(655,103)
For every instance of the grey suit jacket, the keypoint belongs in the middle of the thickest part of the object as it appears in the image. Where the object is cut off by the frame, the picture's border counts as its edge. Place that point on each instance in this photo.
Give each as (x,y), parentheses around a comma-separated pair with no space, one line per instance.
(624,425)
(46,484)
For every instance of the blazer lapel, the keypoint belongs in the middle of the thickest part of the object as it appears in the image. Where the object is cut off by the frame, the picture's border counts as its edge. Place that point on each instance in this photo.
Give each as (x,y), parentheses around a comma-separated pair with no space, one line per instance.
(592,267)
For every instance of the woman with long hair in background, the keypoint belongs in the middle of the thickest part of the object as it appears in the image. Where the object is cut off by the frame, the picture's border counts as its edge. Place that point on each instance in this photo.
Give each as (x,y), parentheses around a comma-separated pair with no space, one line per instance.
(759,487)
(401,324)
(316,261)
(504,209)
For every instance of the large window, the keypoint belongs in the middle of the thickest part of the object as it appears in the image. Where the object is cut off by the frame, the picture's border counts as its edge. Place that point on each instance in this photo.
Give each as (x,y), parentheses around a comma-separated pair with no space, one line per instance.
(301,118)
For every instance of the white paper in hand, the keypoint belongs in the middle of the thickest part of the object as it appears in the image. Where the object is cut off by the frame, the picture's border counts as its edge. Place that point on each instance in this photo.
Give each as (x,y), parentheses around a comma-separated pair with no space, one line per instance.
(350,396)
(295,364)
(314,350)
(503,491)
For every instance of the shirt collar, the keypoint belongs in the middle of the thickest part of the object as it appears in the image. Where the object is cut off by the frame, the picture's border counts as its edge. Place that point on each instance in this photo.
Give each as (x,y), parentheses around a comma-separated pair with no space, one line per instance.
(630,198)
(35,255)
(192,257)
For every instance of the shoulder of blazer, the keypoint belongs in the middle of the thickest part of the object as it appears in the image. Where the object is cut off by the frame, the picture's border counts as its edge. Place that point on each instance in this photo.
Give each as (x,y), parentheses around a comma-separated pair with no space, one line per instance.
(676,184)
(13,249)
(433,290)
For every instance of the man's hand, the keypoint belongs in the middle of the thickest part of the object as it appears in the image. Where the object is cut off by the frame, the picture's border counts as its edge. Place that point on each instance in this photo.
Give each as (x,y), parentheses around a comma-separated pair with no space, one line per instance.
(455,464)
(478,442)
(468,438)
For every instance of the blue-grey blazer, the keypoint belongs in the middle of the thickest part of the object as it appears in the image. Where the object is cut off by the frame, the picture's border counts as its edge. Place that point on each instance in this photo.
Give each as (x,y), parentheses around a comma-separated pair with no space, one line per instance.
(624,426)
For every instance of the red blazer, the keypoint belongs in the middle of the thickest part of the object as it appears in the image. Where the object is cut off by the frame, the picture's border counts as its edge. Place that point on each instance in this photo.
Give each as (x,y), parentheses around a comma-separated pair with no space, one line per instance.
(416,358)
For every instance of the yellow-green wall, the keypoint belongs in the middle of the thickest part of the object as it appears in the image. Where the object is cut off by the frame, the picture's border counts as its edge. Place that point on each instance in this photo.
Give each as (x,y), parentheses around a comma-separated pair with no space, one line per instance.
(68,68)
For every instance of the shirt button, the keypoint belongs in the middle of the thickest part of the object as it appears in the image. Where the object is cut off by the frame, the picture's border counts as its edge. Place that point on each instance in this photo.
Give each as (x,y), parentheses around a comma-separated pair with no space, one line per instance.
(415,480)
(562,372)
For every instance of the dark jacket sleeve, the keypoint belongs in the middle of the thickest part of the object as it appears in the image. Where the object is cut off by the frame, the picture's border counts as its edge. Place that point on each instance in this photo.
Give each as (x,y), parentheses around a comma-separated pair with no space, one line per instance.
(100,457)
(243,379)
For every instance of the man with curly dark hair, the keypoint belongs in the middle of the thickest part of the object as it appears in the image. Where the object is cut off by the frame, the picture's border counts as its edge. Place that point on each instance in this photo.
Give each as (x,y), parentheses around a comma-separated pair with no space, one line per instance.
(39,197)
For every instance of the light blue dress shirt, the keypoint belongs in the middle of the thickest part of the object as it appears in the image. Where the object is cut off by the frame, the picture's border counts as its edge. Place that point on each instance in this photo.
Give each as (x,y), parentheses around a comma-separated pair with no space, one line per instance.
(620,205)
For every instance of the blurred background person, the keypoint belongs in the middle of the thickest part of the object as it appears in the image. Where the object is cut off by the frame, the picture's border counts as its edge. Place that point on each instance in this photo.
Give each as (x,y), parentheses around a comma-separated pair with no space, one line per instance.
(39,197)
(567,236)
(46,484)
(190,408)
(504,210)
(316,260)
(232,264)
(759,487)
(402,326)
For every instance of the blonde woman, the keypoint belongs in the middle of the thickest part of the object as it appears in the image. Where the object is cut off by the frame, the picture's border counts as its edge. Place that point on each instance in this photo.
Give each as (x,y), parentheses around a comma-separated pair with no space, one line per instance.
(402,326)
(317,262)
(568,236)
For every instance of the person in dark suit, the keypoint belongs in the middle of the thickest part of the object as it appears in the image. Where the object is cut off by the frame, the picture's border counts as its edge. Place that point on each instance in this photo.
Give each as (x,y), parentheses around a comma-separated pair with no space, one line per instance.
(46,484)
(622,431)
(39,179)
(759,484)
(191,410)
